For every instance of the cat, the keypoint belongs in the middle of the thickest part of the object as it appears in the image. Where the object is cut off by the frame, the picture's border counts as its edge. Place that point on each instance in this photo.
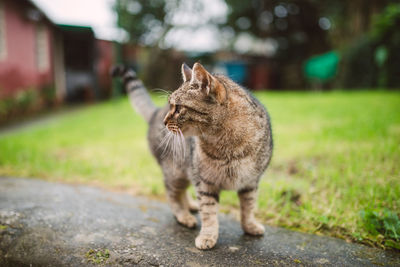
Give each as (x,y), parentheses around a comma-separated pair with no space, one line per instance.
(213,134)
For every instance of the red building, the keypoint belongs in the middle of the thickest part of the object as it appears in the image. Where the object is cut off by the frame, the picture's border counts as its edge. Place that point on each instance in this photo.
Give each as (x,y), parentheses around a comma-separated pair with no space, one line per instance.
(105,51)
(26,47)
(36,53)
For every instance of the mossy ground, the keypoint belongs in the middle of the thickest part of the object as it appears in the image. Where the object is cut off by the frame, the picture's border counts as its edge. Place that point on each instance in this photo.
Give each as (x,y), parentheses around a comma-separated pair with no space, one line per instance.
(97,256)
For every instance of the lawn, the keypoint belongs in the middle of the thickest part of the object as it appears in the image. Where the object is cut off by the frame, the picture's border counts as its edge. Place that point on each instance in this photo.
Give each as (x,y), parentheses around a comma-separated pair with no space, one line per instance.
(335,169)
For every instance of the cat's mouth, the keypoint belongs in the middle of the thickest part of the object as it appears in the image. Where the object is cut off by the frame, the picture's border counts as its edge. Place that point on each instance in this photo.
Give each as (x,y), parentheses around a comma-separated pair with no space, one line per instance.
(173,127)
(169,120)
(173,142)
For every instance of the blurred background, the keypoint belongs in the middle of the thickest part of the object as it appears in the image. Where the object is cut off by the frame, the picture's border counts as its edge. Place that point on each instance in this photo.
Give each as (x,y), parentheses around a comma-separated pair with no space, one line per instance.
(60,51)
(328,72)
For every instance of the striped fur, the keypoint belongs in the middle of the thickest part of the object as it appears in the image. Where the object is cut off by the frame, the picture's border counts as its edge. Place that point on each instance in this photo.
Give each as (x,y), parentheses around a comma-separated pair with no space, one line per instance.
(138,96)
(213,134)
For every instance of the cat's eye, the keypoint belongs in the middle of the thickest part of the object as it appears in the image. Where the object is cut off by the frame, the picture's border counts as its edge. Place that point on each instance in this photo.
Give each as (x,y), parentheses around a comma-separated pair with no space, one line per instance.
(177,109)
(194,87)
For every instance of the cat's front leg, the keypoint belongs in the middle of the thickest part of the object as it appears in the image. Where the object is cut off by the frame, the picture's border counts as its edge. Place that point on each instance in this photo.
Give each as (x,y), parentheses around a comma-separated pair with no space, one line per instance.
(208,198)
(248,200)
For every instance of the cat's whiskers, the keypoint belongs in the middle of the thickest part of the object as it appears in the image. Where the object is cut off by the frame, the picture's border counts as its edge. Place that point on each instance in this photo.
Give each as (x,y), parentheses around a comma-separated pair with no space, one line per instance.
(181,147)
(167,149)
(166,143)
(174,150)
(183,143)
(173,144)
(178,148)
(163,93)
(164,139)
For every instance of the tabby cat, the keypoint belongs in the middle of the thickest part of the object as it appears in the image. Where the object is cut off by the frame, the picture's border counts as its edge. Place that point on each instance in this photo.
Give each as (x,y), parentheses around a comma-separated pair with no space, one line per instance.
(213,134)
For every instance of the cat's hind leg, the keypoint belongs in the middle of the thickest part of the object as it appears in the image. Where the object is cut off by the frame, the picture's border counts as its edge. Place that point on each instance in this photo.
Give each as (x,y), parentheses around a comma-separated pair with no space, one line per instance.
(248,200)
(177,198)
(193,204)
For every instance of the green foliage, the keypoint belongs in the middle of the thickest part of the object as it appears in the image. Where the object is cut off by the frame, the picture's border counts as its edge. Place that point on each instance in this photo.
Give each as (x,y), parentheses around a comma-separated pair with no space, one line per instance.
(140,18)
(386,223)
(6,106)
(48,94)
(295,30)
(387,22)
(25,99)
(359,68)
(374,60)
(385,32)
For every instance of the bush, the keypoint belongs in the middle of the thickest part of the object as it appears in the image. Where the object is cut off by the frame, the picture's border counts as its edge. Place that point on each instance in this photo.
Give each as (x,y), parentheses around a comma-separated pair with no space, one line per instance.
(358,66)
(374,60)
(26,99)
(386,33)
(6,107)
(48,95)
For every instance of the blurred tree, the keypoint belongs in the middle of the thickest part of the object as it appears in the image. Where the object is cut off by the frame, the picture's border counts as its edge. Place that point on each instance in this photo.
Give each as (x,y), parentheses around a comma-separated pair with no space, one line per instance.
(386,34)
(302,28)
(148,23)
(291,26)
(374,59)
(350,19)
(145,21)
(288,30)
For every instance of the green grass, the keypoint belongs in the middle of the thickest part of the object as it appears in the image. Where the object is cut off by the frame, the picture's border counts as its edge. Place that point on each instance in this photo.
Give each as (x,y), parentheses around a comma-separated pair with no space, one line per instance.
(335,169)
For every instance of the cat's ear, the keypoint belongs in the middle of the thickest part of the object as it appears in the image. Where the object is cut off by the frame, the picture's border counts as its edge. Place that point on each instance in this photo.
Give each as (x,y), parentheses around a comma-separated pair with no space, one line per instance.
(207,83)
(186,72)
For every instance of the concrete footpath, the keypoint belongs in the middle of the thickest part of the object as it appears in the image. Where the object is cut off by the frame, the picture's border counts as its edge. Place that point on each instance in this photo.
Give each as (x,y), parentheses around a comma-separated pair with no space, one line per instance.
(50,224)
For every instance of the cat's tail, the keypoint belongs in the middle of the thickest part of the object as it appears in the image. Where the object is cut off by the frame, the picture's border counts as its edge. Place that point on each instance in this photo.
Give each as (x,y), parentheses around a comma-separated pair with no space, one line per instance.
(137,92)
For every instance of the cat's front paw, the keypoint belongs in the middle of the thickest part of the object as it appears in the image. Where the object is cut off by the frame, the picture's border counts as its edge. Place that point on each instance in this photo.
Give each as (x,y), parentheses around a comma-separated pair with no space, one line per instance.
(205,241)
(253,228)
(187,220)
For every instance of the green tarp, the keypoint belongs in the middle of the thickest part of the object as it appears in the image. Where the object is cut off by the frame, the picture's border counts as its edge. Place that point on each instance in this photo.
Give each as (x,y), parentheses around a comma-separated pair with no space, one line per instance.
(322,67)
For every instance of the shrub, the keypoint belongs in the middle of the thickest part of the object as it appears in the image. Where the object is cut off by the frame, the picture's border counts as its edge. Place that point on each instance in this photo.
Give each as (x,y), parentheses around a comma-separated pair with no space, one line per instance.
(48,95)
(26,99)
(6,107)
(358,66)
(374,60)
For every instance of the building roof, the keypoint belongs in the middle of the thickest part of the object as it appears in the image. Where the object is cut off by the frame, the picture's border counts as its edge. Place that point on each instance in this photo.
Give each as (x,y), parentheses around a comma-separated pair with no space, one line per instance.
(76,28)
(41,13)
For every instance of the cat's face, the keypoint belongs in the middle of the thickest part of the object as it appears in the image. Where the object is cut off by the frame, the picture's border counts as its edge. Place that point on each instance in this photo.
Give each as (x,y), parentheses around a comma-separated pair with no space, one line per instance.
(197,104)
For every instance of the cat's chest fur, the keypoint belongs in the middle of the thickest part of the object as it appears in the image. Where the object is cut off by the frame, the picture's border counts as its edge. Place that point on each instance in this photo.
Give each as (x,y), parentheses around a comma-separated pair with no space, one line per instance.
(232,172)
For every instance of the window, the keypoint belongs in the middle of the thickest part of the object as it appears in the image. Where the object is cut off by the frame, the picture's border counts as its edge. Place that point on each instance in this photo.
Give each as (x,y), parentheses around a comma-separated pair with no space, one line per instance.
(3,44)
(42,48)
